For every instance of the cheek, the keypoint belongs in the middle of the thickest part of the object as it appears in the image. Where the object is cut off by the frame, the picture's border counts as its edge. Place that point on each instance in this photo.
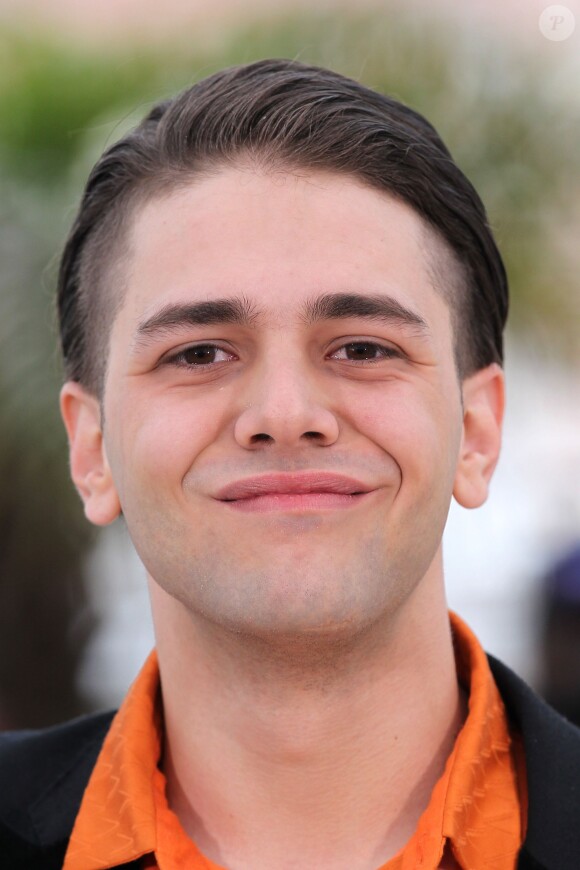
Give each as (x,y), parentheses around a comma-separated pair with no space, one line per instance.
(156,444)
(419,431)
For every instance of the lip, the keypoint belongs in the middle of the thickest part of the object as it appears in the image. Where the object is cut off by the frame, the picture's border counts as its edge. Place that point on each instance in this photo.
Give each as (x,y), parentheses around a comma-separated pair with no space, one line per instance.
(293,501)
(304,483)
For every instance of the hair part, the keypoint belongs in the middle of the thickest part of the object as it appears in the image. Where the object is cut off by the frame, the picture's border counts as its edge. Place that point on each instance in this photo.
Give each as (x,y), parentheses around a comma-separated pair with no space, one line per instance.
(280,114)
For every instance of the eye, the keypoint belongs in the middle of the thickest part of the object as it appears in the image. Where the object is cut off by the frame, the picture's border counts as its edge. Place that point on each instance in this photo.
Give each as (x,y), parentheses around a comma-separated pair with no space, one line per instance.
(366,352)
(198,356)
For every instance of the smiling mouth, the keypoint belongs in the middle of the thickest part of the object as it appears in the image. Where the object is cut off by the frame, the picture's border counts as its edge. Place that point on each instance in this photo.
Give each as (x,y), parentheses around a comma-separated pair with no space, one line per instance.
(285,501)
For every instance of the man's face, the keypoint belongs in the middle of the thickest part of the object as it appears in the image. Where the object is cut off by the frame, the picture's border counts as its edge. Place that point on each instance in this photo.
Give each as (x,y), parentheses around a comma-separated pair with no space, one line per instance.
(193,407)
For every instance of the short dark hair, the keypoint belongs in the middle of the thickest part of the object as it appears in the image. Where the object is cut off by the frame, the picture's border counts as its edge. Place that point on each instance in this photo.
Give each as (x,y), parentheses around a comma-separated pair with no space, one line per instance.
(280,113)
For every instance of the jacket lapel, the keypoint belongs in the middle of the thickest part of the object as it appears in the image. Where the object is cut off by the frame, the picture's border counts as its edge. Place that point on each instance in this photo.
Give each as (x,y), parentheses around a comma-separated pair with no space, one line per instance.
(552,750)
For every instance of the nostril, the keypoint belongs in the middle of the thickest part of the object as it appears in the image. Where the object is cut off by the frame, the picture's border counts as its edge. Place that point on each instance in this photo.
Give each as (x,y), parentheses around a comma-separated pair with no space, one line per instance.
(261,436)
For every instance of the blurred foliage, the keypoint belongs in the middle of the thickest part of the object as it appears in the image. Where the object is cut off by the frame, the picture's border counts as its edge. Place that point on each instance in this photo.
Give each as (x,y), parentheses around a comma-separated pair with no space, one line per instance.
(61,104)
(43,621)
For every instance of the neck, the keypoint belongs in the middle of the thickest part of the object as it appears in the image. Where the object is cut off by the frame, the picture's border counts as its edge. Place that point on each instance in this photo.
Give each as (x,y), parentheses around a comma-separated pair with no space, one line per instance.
(344,741)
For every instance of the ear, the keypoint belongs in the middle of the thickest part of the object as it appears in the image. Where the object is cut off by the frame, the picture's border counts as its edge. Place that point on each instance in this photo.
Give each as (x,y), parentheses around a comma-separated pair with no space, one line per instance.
(89,466)
(483,407)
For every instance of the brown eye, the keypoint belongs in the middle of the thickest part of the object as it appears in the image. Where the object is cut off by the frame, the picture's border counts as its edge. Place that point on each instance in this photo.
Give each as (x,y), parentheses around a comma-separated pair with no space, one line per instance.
(202,354)
(366,351)
(362,350)
(199,356)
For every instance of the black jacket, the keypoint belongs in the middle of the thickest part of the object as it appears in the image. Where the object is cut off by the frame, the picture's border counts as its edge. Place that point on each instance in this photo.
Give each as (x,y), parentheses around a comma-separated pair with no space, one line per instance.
(43,775)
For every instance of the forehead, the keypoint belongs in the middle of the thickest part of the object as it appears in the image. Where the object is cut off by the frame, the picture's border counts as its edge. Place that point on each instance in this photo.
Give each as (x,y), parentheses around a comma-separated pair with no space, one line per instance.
(278,237)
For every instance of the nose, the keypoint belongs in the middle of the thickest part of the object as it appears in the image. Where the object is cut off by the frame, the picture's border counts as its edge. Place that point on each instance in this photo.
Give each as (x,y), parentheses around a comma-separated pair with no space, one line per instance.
(284,405)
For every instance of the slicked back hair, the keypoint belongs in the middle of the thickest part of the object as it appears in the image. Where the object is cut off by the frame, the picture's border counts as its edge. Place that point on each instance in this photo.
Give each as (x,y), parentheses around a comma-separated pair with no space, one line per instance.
(280,114)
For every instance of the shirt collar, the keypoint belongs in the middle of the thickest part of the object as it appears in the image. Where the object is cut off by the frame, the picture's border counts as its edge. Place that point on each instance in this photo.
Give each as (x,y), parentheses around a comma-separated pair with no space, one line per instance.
(474,806)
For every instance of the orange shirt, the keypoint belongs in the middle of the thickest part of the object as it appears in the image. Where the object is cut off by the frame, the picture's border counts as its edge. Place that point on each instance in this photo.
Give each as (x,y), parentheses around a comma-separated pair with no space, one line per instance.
(476,812)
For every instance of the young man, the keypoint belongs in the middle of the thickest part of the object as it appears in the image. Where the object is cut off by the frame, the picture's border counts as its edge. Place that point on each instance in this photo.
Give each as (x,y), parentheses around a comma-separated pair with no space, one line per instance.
(281,312)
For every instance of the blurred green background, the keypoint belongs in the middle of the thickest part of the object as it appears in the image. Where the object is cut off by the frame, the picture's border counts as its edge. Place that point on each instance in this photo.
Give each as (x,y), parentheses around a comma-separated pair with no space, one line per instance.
(500,107)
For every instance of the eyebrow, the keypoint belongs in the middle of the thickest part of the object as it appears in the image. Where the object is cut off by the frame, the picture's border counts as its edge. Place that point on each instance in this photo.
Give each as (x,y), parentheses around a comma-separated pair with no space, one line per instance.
(239,310)
(375,306)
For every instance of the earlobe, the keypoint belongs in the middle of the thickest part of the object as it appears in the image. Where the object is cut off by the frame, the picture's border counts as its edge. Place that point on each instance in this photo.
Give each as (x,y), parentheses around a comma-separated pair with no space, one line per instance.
(89,466)
(483,404)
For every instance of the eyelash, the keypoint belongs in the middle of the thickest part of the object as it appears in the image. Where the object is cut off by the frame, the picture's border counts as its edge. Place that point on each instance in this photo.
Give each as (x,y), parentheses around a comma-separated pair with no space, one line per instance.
(385,351)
